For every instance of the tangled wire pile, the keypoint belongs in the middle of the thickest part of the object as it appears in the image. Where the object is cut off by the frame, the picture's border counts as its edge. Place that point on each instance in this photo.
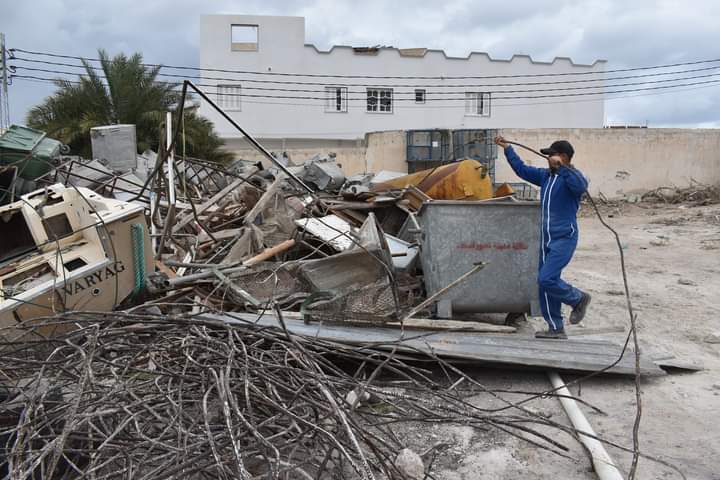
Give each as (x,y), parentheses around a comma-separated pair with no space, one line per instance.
(696,194)
(142,396)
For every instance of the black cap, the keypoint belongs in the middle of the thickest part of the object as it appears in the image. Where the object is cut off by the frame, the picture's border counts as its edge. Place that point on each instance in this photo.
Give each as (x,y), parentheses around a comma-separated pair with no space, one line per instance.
(560,146)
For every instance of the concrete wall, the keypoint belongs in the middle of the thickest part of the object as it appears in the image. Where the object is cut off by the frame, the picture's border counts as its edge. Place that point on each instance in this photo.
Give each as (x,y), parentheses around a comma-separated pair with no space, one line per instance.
(616,161)
(281,49)
(378,151)
(351,154)
(619,161)
(386,151)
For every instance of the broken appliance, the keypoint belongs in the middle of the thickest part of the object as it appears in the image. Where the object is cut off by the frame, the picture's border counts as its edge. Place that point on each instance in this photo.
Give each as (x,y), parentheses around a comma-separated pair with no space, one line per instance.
(66,248)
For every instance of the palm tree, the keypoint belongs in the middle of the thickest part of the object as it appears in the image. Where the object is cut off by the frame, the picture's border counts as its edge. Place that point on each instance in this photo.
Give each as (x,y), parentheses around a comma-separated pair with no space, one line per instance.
(121,90)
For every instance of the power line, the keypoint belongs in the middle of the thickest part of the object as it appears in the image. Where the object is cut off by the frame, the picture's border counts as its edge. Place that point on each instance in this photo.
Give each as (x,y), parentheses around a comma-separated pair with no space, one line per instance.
(429,94)
(441,77)
(364,99)
(425,87)
(323,99)
(494,105)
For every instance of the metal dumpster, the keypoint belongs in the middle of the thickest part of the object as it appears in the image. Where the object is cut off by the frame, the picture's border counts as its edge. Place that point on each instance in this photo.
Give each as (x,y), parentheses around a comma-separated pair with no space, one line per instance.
(503,233)
(29,150)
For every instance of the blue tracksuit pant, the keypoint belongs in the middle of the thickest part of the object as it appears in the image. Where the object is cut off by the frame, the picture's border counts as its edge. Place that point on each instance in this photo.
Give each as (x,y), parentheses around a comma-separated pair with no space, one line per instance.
(560,193)
(554,291)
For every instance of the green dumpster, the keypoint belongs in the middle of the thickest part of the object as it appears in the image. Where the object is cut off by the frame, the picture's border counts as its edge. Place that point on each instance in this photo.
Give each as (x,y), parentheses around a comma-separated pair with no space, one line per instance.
(29,150)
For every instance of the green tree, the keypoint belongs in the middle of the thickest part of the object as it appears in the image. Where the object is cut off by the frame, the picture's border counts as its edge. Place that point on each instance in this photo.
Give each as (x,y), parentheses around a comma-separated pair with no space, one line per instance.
(122,90)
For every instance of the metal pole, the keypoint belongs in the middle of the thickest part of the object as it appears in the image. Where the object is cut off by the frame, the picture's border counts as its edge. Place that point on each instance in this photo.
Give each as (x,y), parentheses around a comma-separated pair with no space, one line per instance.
(604,465)
(249,138)
(4,102)
(478,266)
(171,158)
(170,216)
(153,227)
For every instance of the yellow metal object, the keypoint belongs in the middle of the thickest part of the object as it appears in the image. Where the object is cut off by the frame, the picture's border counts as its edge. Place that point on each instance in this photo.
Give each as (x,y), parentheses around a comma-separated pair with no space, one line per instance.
(465,180)
(504,190)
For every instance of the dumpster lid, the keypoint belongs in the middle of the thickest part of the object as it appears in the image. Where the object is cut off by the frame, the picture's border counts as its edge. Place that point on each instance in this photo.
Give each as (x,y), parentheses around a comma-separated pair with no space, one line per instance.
(112,128)
(505,201)
(22,138)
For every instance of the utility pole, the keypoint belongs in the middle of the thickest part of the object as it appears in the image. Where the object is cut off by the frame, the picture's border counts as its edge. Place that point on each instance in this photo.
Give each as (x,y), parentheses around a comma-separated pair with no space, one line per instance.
(4,102)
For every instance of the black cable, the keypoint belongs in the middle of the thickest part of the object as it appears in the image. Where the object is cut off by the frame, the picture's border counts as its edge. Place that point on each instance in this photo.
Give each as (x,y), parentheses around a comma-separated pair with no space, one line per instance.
(364,99)
(441,77)
(428,94)
(425,106)
(264,81)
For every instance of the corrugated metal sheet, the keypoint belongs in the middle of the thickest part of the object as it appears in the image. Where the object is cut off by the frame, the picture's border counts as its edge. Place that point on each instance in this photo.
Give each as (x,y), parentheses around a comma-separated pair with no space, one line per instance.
(509,349)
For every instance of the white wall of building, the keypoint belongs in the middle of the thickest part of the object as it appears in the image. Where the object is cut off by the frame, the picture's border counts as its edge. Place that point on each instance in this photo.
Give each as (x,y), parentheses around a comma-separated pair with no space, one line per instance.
(281,48)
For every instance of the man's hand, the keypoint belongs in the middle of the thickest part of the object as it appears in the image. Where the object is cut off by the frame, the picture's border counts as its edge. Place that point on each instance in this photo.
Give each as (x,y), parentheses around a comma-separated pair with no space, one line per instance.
(501,142)
(554,162)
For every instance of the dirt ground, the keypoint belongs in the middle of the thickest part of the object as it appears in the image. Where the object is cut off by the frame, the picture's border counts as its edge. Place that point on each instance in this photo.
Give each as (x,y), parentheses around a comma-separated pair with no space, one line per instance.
(673,263)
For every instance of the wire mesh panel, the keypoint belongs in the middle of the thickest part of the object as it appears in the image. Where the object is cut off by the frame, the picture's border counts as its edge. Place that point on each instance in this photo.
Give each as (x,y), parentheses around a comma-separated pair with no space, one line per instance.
(525,191)
(372,303)
(477,145)
(428,146)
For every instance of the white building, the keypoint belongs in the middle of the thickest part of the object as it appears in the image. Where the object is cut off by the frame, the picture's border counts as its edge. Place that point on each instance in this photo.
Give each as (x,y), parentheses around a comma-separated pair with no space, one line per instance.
(279,87)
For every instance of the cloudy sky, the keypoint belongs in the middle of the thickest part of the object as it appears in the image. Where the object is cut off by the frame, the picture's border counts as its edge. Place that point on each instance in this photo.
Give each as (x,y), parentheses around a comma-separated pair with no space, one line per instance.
(625,33)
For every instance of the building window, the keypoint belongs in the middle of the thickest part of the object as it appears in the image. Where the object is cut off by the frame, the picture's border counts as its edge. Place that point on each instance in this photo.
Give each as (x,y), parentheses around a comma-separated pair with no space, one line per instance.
(477,103)
(380,100)
(228,96)
(336,99)
(419,96)
(243,38)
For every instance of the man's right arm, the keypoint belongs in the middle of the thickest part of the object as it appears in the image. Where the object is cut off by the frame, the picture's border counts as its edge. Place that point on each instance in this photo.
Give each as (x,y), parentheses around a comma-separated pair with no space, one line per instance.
(530,174)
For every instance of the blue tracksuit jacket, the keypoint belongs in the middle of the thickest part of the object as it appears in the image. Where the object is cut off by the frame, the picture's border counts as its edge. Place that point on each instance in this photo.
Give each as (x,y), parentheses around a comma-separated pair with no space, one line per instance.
(560,195)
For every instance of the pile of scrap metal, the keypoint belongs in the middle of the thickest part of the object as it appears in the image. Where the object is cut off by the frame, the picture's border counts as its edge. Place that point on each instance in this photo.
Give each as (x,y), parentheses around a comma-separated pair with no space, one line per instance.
(236,238)
(167,317)
(104,300)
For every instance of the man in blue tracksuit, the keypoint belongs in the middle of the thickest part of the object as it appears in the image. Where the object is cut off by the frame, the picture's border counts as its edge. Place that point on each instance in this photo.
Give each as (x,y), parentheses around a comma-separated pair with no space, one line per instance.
(561,187)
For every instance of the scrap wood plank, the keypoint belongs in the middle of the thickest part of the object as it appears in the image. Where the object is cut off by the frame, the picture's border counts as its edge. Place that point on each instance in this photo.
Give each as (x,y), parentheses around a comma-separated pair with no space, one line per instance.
(453,325)
(165,269)
(577,330)
(265,199)
(206,205)
(432,324)
(511,350)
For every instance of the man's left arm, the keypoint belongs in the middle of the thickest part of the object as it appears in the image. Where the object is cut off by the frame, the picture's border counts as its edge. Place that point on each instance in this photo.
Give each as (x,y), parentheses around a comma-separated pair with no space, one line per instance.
(575,181)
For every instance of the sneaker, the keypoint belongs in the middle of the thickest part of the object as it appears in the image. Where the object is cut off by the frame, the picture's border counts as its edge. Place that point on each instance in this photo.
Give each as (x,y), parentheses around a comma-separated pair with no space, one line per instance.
(578,311)
(552,334)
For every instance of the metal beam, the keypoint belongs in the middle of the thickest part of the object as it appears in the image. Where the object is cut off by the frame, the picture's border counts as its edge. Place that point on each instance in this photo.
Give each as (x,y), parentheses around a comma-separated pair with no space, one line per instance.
(249,137)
